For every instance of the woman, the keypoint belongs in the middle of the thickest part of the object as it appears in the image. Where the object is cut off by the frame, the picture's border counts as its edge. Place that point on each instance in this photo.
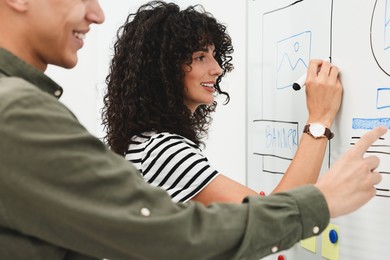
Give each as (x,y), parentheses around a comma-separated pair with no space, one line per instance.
(166,70)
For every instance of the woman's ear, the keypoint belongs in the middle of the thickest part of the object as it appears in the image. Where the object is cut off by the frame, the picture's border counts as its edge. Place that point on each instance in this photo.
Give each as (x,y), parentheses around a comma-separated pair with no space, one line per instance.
(18,5)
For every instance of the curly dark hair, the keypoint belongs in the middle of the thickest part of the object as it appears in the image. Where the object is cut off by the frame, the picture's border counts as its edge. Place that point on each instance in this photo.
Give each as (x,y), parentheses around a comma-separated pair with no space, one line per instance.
(145,84)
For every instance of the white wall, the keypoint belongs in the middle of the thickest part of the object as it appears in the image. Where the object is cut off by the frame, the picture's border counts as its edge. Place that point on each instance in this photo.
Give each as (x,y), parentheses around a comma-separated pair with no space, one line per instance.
(83,85)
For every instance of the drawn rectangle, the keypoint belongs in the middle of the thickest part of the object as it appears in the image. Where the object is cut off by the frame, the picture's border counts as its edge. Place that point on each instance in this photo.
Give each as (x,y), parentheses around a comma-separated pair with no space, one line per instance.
(293,58)
(275,165)
(277,138)
(369,123)
(383,98)
(277,144)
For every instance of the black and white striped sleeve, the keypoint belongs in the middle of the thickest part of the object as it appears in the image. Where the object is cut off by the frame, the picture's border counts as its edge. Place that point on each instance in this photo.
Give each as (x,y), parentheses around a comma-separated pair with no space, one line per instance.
(177,165)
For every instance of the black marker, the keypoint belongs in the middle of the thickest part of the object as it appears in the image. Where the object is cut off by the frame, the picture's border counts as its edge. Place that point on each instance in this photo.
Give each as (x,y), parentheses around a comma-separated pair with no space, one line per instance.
(300,83)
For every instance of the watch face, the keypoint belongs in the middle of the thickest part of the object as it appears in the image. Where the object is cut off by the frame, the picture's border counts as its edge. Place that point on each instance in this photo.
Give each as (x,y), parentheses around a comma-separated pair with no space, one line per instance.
(317,130)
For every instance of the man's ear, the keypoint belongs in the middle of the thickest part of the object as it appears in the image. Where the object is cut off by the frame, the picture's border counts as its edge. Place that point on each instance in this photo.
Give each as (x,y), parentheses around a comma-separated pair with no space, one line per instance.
(18,5)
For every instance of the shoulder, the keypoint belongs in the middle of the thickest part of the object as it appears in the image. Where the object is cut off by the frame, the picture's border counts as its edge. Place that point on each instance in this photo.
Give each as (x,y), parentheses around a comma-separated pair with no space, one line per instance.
(19,99)
(19,94)
(13,81)
(167,142)
(149,143)
(174,163)
(172,137)
(151,139)
(13,88)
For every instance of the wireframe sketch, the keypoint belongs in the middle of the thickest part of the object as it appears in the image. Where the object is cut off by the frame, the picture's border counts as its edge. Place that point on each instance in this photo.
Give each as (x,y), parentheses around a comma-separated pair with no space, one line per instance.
(293,58)
(380,34)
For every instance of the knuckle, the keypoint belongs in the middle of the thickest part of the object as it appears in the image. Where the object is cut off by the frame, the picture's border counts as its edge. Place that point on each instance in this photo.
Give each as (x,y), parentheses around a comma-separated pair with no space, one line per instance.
(365,166)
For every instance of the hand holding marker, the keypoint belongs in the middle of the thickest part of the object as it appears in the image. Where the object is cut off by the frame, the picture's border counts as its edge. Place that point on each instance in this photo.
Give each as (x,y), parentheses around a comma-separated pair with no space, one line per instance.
(300,83)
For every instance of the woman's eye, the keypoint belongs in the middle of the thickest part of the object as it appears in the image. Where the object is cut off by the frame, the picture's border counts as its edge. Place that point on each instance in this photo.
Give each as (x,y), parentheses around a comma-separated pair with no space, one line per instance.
(200,58)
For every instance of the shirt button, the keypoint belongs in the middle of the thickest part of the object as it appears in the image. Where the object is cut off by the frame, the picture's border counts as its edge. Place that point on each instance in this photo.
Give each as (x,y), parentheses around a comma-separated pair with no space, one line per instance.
(57,93)
(316,230)
(274,249)
(145,212)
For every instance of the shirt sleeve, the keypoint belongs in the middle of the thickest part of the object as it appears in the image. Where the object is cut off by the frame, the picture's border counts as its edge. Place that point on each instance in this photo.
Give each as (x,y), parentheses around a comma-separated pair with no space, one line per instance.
(62,188)
(177,165)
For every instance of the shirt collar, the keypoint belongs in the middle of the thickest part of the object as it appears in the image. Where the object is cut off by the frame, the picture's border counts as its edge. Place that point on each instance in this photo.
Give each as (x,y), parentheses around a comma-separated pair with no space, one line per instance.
(12,66)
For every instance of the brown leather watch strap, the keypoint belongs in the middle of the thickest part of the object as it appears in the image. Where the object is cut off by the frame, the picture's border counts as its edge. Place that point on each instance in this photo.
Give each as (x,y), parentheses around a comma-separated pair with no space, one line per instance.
(328,134)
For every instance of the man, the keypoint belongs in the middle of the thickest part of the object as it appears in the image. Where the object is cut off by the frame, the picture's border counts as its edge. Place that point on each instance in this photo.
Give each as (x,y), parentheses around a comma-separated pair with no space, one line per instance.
(64,195)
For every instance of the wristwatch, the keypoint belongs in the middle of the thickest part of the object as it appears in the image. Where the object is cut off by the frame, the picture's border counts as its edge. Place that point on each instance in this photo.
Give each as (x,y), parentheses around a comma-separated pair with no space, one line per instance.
(318,130)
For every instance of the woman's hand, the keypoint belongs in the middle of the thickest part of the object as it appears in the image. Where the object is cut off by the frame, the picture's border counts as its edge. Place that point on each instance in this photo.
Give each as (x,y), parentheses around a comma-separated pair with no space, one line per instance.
(323,92)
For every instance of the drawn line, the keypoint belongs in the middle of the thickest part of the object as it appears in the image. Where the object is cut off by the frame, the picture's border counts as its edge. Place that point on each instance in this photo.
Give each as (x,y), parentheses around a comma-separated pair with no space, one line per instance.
(385,196)
(331,32)
(374,145)
(281,8)
(378,152)
(384,172)
(267,171)
(387,22)
(381,92)
(274,121)
(358,137)
(293,67)
(379,189)
(273,155)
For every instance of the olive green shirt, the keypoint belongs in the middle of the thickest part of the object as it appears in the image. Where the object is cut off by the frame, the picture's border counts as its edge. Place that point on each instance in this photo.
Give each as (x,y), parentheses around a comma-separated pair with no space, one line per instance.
(64,195)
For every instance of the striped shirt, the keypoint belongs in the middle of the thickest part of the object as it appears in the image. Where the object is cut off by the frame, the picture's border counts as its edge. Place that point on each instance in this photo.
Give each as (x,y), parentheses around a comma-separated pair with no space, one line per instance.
(171,162)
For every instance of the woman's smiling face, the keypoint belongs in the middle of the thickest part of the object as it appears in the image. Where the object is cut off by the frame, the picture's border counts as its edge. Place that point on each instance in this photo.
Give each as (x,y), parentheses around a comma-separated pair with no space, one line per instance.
(200,77)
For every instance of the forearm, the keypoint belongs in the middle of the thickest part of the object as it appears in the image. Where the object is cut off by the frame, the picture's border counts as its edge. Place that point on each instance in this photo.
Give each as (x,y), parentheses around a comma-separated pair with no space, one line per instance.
(323,98)
(306,165)
(109,221)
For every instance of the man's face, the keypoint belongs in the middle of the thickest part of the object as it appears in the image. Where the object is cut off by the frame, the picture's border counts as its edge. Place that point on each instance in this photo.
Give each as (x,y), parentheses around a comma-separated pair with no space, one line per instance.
(58,28)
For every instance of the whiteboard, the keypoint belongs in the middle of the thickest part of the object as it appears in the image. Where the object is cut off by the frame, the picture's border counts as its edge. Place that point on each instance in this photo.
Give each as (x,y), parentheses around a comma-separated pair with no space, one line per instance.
(355,35)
